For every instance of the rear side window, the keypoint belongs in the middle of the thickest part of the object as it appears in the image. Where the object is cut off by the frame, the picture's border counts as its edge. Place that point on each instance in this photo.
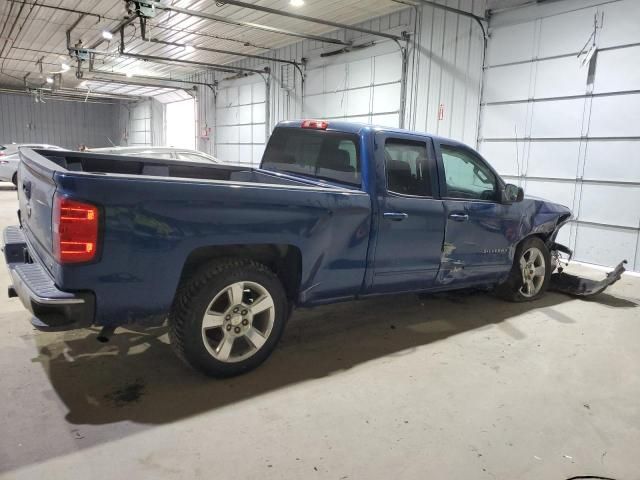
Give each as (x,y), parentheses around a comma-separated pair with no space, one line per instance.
(407,167)
(321,154)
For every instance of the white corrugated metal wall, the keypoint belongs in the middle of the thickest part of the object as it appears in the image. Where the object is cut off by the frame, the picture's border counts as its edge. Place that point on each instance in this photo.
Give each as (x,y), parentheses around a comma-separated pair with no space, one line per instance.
(362,86)
(141,123)
(577,126)
(240,129)
(444,75)
(57,122)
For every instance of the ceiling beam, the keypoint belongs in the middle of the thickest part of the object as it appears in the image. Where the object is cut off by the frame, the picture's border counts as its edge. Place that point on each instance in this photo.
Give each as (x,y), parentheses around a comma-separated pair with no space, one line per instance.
(240,23)
(282,13)
(306,18)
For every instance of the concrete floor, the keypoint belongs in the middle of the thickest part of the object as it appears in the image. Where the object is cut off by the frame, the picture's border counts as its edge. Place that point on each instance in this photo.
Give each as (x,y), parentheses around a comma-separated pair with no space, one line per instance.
(450,387)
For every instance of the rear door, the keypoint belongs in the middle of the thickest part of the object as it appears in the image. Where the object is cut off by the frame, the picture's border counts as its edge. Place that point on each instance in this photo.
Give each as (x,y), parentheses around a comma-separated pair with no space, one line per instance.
(411,216)
(480,230)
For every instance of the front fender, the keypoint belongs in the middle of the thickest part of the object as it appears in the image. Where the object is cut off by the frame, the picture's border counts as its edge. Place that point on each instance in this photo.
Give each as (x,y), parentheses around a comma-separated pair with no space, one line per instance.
(543,218)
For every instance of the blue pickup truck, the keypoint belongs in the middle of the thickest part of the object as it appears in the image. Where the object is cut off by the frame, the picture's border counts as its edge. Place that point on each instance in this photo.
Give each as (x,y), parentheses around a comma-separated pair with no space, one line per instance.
(337,211)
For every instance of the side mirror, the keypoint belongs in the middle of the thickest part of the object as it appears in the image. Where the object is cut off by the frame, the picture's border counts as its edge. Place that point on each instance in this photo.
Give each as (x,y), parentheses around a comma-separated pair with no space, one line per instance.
(512,193)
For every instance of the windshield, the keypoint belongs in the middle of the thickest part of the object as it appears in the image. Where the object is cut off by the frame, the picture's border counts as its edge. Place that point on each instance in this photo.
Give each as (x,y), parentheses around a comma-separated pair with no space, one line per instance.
(321,154)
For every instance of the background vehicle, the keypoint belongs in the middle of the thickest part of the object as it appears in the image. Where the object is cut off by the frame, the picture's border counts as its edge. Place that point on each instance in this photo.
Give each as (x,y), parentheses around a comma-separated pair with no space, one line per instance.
(169,153)
(337,211)
(9,159)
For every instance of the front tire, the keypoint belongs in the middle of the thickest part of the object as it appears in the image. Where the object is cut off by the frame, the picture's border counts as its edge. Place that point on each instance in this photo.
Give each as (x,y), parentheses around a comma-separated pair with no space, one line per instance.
(530,273)
(228,317)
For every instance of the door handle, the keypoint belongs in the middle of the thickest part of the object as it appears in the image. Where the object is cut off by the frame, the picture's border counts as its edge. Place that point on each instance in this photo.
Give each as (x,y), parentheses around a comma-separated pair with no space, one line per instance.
(395,216)
(459,217)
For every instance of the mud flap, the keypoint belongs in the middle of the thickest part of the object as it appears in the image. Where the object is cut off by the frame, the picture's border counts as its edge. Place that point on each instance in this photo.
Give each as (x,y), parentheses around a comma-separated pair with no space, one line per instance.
(584,287)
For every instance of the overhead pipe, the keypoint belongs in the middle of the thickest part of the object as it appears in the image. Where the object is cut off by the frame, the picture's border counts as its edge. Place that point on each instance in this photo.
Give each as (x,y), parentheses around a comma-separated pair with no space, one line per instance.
(148,77)
(240,23)
(56,7)
(213,66)
(105,17)
(138,84)
(143,36)
(306,18)
(133,82)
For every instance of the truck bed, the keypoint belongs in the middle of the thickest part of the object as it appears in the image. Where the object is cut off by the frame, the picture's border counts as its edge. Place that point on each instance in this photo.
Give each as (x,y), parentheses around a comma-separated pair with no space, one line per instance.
(156,215)
(98,163)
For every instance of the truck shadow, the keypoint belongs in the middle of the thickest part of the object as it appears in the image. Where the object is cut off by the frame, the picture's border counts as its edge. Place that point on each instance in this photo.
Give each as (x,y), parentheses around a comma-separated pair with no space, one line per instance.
(136,376)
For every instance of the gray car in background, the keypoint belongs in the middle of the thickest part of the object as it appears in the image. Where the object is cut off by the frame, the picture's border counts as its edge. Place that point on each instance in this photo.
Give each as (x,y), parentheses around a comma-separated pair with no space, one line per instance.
(10,158)
(170,153)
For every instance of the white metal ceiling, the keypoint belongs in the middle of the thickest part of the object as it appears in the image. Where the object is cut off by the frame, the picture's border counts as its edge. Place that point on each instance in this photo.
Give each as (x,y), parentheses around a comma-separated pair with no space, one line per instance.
(31,32)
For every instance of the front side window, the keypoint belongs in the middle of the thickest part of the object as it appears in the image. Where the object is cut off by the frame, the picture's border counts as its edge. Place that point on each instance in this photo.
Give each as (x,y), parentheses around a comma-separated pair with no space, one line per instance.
(407,167)
(467,177)
(325,155)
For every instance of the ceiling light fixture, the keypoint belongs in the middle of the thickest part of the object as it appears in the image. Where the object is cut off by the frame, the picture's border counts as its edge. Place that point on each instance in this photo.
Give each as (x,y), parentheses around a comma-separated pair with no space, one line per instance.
(129,74)
(189,48)
(296,3)
(107,35)
(65,67)
(49,80)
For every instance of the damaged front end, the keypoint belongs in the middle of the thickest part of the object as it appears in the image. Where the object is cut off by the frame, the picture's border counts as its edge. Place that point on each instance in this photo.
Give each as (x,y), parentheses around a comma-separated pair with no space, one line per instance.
(584,287)
(574,285)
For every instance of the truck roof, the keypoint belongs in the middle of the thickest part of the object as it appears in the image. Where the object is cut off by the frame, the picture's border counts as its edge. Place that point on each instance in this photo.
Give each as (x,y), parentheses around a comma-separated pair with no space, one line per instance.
(358,127)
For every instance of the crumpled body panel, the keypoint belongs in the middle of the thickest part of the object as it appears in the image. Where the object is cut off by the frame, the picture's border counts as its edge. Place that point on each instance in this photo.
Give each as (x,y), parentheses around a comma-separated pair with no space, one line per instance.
(584,287)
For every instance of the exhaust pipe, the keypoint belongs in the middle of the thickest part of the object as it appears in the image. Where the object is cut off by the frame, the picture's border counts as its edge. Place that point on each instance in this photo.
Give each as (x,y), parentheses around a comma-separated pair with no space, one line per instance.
(105,334)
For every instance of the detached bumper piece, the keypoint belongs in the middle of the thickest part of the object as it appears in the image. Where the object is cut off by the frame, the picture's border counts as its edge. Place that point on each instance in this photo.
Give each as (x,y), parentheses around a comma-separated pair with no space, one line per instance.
(53,309)
(584,287)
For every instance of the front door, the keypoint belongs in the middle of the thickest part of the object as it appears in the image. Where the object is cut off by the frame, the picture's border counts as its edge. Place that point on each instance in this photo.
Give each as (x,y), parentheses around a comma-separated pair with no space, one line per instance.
(480,230)
(411,221)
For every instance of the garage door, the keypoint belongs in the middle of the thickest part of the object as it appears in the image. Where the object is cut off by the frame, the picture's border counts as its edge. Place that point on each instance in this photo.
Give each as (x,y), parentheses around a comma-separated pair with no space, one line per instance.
(578,126)
(241,121)
(140,124)
(361,86)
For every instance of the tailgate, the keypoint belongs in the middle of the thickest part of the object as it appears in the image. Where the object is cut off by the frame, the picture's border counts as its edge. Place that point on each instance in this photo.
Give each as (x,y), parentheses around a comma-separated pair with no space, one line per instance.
(36,188)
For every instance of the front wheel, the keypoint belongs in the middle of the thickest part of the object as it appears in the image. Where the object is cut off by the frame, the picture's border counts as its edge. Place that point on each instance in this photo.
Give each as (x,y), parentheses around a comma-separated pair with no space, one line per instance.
(530,273)
(228,318)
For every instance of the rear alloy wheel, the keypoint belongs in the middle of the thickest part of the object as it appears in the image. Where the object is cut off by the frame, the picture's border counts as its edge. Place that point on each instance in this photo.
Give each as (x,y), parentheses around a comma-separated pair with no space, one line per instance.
(228,317)
(530,273)
(238,321)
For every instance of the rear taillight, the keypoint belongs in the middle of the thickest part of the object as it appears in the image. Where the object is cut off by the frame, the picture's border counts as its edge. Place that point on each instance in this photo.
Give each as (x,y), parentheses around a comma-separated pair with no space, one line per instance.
(75,230)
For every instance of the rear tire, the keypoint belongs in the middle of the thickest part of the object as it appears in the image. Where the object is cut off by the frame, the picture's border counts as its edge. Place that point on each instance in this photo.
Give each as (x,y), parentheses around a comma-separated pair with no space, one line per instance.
(14,180)
(530,273)
(228,317)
